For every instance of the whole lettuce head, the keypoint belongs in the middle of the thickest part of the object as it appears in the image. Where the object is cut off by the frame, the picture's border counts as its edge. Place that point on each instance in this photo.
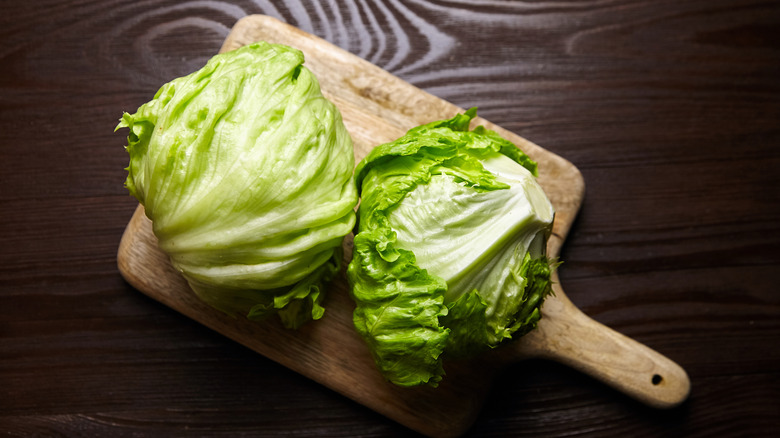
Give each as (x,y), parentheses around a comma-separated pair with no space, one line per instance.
(449,257)
(245,170)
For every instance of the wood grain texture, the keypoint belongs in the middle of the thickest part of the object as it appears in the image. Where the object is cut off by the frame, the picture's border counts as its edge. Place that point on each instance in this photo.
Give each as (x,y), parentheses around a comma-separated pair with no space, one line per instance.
(669,109)
(378,107)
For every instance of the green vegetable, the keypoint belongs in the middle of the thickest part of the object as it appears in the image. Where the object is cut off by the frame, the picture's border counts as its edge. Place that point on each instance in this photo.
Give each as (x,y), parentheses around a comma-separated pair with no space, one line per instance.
(449,257)
(245,170)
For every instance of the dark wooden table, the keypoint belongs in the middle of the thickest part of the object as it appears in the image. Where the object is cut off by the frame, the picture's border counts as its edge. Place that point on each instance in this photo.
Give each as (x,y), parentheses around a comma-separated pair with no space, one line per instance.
(671,110)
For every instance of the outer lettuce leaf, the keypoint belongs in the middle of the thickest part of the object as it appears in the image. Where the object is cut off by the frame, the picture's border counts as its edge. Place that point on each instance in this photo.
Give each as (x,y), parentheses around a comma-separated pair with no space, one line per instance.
(466,318)
(398,312)
(245,170)
(449,251)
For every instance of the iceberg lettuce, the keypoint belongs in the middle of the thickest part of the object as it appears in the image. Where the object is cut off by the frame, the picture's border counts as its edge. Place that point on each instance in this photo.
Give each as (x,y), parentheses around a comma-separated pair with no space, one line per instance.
(449,254)
(245,170)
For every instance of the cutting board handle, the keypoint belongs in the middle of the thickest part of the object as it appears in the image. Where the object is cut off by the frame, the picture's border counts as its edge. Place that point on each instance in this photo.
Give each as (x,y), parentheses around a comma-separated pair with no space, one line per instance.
(566,335)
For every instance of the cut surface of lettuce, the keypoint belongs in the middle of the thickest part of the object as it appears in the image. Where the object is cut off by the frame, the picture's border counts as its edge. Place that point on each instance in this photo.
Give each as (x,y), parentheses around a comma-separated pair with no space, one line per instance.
(449,256)
(245,170)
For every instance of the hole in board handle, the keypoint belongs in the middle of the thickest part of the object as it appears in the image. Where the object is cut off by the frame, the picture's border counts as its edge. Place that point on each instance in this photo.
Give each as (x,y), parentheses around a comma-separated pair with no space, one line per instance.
(657,379)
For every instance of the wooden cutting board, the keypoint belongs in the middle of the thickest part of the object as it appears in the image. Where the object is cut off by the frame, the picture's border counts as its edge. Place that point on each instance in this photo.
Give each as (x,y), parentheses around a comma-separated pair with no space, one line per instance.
(378,107)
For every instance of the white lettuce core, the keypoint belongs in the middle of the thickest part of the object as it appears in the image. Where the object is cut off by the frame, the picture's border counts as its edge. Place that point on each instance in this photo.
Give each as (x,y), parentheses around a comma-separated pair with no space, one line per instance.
(476,239)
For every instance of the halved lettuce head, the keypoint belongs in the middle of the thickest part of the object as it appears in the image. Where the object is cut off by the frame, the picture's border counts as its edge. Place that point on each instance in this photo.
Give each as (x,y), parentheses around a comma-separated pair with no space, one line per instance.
(449,256)
(245,170)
